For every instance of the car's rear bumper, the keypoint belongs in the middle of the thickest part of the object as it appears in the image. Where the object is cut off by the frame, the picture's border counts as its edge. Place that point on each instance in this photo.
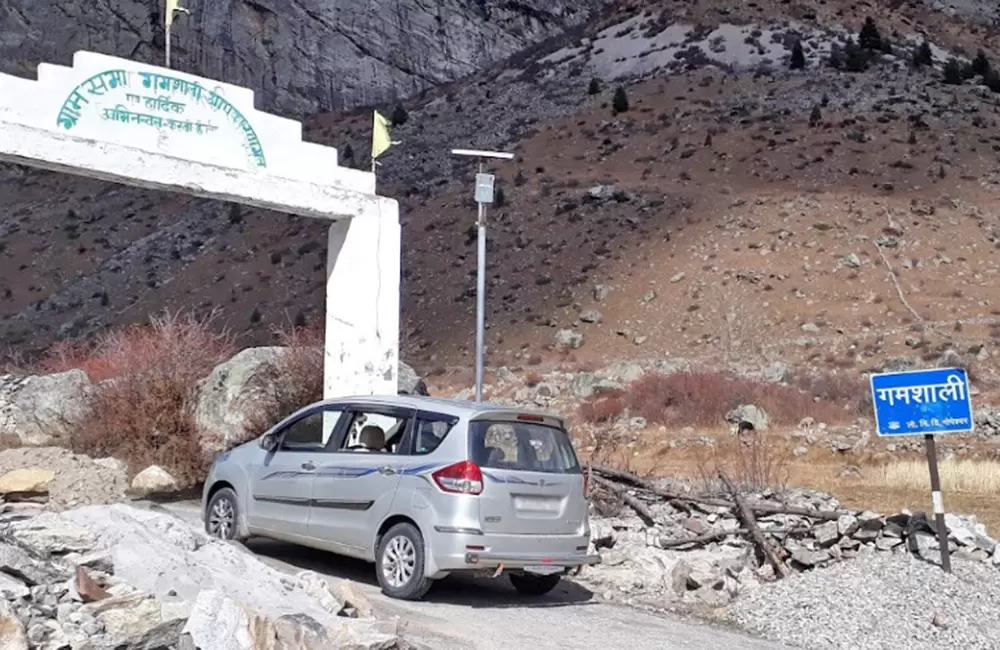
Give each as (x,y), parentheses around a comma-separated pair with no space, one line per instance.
(521,560)
(469,550)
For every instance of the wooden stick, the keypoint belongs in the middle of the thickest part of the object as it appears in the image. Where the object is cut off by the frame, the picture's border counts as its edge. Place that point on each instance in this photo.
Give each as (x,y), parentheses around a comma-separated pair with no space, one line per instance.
(722,534)
(756,507)
(746,516)
(638,506)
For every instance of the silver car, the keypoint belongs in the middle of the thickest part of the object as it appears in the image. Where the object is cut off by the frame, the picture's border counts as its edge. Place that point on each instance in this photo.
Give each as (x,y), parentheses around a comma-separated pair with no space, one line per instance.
(420,486)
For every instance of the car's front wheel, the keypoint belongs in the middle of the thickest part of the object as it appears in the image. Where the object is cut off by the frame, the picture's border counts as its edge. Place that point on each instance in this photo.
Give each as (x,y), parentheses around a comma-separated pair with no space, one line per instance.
(530,584)
(222,515)
(399,563)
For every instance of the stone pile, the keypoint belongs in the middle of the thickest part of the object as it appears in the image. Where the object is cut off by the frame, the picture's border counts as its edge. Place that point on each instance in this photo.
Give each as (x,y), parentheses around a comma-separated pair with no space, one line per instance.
(670,546)
(103,577)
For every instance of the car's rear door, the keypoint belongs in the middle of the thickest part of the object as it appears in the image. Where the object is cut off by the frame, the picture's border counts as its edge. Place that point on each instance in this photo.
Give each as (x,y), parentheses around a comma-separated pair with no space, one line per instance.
(533,481)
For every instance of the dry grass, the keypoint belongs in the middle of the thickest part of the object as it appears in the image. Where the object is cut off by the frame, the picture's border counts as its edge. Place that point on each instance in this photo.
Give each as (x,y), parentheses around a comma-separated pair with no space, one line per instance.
(294,381)
(142,411)
(957,476)
(702,399)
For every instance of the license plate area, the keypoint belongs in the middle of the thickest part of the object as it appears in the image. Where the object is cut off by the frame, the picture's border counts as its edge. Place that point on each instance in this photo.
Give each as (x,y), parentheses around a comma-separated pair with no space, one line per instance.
(530,503)
(544,569)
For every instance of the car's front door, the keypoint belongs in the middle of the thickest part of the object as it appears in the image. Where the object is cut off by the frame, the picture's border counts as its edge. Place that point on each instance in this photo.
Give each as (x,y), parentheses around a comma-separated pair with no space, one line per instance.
(281,486)
(355,484)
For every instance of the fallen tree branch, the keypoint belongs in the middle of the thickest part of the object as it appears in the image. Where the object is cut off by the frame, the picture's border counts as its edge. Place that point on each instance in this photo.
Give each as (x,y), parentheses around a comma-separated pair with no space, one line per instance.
(639,507)
(746,516)
(722,534)
(755,506)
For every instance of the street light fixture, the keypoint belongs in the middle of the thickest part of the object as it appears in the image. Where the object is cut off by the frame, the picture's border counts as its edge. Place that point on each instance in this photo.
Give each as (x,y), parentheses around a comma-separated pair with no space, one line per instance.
(484,195)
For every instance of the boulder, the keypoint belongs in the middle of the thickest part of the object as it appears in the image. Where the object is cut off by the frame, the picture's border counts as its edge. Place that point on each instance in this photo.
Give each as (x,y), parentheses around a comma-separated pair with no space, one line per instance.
(410,383)
(751,413)
(38,410)
(223,397)
(28,481)
(569,339)
(153,480)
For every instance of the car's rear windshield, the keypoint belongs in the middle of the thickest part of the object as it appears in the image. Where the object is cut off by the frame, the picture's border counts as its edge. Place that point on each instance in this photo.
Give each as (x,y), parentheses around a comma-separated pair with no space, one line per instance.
(524,446)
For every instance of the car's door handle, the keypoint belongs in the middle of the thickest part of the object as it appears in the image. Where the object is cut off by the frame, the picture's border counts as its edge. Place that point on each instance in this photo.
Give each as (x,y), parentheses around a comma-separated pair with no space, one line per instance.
(387,471)
(308,466)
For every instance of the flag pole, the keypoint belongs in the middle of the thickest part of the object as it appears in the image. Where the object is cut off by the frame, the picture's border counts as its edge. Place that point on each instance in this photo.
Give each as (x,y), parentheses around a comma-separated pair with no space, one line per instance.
(168,40)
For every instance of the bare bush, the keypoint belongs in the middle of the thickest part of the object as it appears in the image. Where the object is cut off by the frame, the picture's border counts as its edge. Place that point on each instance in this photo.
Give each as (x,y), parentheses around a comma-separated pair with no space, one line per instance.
(141,410)
(751,462)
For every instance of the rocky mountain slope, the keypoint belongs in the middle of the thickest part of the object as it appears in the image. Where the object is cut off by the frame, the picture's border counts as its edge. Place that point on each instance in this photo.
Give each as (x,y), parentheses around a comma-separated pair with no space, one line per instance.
(299,55)
(738,211)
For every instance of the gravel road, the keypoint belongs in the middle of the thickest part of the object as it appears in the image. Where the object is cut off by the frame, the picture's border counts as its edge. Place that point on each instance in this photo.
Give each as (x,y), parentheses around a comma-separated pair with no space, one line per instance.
(483,614)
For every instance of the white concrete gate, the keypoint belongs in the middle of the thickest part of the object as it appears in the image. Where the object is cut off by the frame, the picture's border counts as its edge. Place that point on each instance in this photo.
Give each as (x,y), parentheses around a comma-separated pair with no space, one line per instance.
(137,124)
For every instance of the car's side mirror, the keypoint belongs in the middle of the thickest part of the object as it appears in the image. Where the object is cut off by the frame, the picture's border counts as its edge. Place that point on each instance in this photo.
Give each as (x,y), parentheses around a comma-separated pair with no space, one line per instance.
(268,442)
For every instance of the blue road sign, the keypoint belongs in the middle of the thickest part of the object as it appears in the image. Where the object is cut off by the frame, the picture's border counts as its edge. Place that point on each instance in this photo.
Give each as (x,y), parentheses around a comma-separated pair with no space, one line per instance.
(918,402)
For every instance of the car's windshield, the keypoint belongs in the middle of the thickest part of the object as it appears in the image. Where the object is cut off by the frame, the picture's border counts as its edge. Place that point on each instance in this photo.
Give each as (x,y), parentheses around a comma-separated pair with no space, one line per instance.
(522,446)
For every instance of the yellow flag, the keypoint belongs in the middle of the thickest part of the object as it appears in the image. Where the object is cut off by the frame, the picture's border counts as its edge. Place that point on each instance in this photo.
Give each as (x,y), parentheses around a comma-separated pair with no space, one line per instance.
(380,136)
(173,6)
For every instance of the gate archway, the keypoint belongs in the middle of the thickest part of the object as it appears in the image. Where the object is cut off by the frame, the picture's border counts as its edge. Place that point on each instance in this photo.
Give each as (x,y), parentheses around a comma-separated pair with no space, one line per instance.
(118,120)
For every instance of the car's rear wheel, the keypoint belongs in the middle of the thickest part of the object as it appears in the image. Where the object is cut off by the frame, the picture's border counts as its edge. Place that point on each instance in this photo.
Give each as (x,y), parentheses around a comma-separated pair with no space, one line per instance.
(222,515)
(531,584)
(400,563)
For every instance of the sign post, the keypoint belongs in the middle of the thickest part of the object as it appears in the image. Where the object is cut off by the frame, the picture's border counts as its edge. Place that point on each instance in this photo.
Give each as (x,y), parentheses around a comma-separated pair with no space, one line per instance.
(925,402)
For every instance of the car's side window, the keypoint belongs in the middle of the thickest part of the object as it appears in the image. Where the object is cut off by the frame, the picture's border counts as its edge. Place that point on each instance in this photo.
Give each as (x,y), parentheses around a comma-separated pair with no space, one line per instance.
(429,432)
(311,432)
(371,432)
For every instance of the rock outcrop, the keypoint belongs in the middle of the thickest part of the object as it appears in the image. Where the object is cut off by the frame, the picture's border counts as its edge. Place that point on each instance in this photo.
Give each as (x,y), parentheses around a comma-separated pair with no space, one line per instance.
(32,408)
(299,56)
(126,578)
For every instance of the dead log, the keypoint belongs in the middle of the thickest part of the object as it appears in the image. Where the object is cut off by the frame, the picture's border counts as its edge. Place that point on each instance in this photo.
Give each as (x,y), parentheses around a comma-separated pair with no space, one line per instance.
(755,506)
(639,507)
(722,534)
(746,516)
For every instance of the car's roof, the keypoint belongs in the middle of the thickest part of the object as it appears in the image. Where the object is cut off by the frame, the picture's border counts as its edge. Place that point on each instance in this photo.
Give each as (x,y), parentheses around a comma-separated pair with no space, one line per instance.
(455,407)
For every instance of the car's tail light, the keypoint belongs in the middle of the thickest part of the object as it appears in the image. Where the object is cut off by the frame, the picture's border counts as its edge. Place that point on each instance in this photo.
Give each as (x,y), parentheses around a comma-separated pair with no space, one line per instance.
(460,478)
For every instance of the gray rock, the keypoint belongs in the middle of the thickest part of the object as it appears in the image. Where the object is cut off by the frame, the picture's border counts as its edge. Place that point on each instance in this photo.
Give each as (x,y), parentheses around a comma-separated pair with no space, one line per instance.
(774,373)
(16,562)
(410,383)
(224,397)
(601,292)
(217,621)
(810,328)
(314,56)
(40,409)
(809,558)
(591,316)
(569,339)
(826,534)
(851,261)
(679,576)
(749,413)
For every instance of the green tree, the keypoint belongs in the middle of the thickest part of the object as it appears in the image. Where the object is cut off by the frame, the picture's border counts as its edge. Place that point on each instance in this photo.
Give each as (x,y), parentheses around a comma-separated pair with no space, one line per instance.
(981,64)
(992,80)
(619,103)
(816,116)
(923,55)
(399,115)
(798,57)
(953,73)
(347,153)
(594,87)
(869,37)
(856,58)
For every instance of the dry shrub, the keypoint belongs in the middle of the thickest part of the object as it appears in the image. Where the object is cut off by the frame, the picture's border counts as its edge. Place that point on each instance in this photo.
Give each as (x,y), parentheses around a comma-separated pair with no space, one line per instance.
(957,476)
(293,381)
(751,462)
(142,411)
(704,398)
(603,408)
